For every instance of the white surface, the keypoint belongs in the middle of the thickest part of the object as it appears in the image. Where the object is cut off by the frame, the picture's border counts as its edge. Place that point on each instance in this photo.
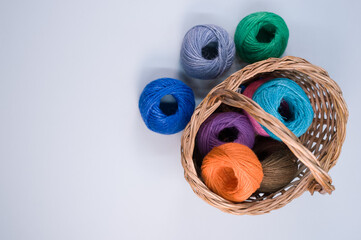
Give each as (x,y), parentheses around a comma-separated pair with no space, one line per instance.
(76,160)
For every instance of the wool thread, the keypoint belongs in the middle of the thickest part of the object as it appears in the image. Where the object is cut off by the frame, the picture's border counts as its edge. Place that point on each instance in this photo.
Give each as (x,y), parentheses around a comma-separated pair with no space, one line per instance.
(224,127)
(298,114)
(265,146)
(232,171)
(261,35)
(279,164)
(163,120)
(248,92)
(207,52)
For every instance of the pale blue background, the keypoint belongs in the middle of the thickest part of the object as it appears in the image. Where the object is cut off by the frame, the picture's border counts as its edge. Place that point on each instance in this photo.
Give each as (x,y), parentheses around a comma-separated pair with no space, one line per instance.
(77,162)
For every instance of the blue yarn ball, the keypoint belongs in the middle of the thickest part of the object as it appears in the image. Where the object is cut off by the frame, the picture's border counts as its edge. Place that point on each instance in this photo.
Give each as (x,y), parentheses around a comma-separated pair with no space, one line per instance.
(166,121)
(207,52)
(299,114)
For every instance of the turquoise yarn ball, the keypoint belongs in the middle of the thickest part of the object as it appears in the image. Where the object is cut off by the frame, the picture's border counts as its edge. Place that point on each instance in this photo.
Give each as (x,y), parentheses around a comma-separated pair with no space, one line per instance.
(295,112)
(261,35)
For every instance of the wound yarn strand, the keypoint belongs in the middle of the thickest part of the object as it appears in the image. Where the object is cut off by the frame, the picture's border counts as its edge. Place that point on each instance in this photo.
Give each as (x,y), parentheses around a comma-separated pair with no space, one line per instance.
(232,171)
(224,127)
(207,51)
(297,115)
(261,35)
(161,121)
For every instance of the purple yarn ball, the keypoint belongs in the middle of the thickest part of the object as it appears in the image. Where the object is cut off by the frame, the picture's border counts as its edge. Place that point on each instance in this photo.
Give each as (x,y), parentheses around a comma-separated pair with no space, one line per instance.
(224,127)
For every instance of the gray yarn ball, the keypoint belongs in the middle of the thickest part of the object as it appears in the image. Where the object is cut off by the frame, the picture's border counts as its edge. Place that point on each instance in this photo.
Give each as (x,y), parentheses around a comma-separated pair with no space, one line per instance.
(207,52)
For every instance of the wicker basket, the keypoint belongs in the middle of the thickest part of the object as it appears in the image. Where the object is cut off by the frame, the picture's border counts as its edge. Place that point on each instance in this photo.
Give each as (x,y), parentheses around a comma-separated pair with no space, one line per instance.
(317,150)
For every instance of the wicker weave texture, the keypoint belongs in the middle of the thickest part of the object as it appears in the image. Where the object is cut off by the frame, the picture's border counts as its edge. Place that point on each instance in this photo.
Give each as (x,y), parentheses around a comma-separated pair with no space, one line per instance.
(317,150)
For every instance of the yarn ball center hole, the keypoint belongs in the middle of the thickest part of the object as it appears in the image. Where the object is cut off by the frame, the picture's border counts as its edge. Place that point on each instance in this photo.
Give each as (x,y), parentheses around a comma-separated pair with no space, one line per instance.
(210,51)
(168,105)
(285,111)
(228,179)
(228,134)
(266,33)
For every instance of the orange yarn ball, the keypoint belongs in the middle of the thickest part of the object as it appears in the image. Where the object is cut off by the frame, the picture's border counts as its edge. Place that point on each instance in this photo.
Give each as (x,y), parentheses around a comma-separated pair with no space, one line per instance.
(232,170)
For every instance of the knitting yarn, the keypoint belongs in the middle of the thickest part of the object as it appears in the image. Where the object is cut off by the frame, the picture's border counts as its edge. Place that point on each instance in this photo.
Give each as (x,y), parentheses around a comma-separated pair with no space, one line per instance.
(296,115)
(166,118)
(265,146)
(279,169)
(207,52)
(224,127)
(232,171)
(249,91)
(279,164)
(261,35)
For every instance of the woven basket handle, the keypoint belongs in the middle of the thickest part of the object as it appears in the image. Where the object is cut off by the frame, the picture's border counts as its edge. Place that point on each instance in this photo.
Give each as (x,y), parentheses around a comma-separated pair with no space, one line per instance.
(280,130)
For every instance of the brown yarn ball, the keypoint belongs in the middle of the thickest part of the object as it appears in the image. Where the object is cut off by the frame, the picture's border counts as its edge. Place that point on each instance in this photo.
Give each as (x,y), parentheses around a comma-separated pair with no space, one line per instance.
(279,169)
(278,162)
(265,146)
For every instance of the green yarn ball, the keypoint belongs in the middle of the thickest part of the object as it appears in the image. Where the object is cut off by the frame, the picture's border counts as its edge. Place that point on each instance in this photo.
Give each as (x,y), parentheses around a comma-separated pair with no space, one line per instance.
(261,35)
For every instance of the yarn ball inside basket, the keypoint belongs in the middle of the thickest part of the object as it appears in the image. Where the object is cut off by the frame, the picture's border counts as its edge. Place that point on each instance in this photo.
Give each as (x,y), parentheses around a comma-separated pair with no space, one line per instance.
(166,118)
(265,146)
(298,114)
(207,52)
(279,164)
(261,35)
(232,171)
(249,91)
(224,127)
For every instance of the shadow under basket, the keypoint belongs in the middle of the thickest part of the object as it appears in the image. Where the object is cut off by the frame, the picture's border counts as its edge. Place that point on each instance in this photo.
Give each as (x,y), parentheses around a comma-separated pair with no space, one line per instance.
(317,150)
